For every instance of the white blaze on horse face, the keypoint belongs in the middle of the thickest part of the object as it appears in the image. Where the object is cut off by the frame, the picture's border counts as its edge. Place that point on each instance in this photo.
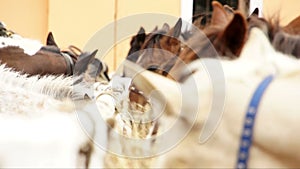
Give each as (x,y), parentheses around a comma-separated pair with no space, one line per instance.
(29,46)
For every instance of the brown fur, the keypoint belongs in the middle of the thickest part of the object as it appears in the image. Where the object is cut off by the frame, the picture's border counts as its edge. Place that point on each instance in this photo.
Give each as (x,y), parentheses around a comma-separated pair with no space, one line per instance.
(48,60)
(163,45)
(293,27)
(42,63)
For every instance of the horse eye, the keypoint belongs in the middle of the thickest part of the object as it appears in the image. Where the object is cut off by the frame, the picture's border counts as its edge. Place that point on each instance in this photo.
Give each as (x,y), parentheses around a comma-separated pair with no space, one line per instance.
(203,21)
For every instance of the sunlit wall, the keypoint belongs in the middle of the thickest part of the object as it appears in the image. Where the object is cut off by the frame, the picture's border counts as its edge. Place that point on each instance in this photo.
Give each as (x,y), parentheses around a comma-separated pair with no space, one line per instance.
(73,22)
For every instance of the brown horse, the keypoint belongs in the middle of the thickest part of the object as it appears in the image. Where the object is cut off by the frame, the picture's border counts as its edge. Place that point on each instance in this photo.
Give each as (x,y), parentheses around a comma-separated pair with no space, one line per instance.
(48,60)
(152,51)
(163,39)
(224,36)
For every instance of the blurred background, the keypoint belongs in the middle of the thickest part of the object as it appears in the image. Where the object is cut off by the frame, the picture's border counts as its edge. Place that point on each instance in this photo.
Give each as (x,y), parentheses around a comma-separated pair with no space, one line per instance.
(73,22)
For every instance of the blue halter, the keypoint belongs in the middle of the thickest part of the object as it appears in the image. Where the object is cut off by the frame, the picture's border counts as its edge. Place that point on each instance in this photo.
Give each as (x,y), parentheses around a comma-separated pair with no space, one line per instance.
(246,137)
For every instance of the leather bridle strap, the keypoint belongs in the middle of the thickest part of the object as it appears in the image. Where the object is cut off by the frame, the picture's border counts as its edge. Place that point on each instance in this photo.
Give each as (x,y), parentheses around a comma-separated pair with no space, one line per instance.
(69,62)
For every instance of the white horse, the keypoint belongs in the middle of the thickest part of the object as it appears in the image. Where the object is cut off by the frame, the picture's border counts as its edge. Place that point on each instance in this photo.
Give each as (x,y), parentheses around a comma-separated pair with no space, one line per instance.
(48,121)
(214,142)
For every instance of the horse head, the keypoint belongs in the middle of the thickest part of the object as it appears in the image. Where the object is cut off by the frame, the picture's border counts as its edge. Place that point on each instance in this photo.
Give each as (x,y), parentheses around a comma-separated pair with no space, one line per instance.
(70,54)
(160,46)
(224,36)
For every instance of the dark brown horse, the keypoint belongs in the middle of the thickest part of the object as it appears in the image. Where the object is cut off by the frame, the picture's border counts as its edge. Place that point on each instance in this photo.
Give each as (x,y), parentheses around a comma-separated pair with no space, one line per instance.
(48,60)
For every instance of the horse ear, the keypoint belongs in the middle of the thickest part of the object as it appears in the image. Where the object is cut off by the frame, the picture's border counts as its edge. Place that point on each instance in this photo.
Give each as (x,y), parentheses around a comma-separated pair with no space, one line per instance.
(219,16)
(293,27)
(141,35)
(84,60)
(228,10)
(98,70)
(94,68)
(155,29)
(255,12)
(177,28)
(104,71)
(50,40)
(166,27)
(235,33)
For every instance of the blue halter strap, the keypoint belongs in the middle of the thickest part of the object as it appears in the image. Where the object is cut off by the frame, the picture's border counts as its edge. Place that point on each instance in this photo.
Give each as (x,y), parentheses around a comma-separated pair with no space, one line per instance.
(246,137)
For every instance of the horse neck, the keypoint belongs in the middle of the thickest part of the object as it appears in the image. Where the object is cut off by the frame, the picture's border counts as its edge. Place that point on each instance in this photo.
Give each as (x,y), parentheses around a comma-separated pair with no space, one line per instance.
(287,43)
(200,45)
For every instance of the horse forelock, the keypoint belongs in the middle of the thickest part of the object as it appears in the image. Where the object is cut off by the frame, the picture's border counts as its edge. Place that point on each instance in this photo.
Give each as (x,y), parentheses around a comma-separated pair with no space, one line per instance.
(152,38)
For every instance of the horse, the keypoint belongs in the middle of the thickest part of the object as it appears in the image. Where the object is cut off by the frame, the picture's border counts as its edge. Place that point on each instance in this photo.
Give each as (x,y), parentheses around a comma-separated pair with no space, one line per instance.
(42,60)
(86,72)
(148,49)
(227,34)
(36,102)
(151,52)
(219,143)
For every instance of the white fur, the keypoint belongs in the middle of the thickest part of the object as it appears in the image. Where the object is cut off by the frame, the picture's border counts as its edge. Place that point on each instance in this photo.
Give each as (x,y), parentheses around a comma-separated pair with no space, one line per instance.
(29,46)
(58,87)
(39,124)
(38,131)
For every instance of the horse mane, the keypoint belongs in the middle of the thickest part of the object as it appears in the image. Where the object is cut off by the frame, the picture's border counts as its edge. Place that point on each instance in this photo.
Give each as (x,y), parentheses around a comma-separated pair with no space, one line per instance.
(58,87)
(284,39)
(151,36)
(286,43)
